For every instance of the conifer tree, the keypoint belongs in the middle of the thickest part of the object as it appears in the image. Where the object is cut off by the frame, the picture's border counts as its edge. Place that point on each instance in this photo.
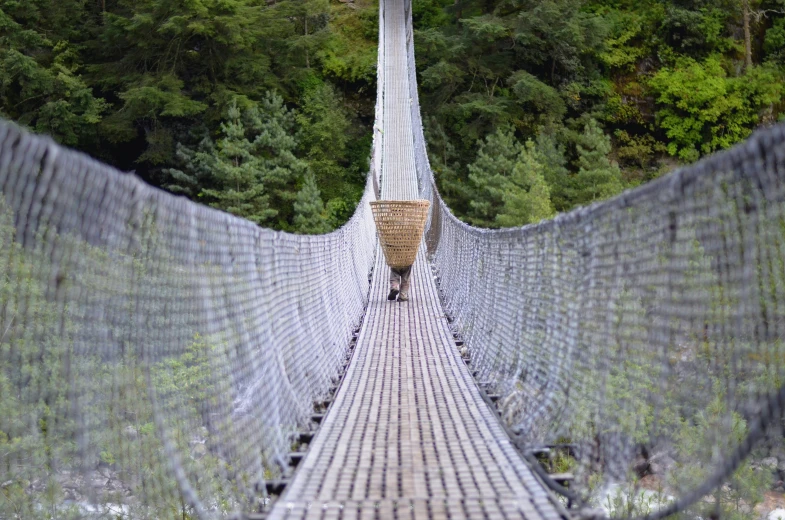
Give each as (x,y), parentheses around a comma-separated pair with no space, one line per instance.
(555,172)
(597,177)
(527,197)
(236,172)
(251,171)
(489,175)
(325,135)
(275,144)
(309,209)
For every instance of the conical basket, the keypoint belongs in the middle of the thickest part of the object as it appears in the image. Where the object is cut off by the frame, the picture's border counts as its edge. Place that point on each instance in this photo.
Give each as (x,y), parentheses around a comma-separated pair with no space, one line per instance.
(400,224)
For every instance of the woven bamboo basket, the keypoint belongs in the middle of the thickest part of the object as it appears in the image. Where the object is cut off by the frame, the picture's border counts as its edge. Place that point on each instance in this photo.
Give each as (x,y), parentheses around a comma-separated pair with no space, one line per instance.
(400,224)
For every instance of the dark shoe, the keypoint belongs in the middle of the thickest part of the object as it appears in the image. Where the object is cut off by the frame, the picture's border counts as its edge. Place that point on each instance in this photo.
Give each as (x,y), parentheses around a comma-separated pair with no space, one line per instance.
(393,294)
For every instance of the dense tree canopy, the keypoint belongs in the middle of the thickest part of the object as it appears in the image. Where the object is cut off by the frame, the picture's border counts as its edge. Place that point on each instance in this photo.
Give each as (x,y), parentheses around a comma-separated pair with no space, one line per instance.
(601,94)
(254,107)
(264,108)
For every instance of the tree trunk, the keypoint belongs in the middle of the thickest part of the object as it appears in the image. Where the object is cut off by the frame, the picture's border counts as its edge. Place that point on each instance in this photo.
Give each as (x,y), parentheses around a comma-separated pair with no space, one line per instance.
(747,35)
(307,57)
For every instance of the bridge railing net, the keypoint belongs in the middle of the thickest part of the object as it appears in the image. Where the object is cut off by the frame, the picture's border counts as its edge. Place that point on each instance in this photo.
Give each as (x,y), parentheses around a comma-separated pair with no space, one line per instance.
(156,355)
(646,331)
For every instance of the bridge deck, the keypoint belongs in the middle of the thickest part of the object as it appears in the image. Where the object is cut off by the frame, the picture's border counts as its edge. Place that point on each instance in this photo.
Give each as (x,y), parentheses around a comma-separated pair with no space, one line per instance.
(409,435)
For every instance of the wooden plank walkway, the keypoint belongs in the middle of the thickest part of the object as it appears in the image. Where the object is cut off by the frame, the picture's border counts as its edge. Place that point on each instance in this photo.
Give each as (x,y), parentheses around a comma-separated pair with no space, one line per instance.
(409,435)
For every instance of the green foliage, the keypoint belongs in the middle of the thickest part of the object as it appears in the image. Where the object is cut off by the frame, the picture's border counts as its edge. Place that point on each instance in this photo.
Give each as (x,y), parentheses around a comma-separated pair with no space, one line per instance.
(703,110)
(665,78)
(309,209)
(507,179)
(40,72)
(329,141)
(744,489)
(140,84)
(251,162)
(489,175)
(774,43)
(597,177)
(527,196)
(350,52)
(537,97)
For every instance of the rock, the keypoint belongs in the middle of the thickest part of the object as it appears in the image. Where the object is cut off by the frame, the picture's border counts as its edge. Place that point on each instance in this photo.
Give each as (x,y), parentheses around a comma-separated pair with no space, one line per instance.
(781,465)
(777,514)
(769,462)
(131,432)
(100,482)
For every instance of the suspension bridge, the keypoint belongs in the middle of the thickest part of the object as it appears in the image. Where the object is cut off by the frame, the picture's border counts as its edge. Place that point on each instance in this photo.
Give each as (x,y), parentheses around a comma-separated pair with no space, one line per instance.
(160,359)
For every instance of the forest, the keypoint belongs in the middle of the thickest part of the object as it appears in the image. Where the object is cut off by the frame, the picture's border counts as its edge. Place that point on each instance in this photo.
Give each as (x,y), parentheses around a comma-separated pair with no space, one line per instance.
(265,108)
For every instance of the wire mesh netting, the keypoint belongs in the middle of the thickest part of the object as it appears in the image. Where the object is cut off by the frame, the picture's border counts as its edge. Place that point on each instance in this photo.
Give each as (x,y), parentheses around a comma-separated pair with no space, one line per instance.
(156,355)
(641,338)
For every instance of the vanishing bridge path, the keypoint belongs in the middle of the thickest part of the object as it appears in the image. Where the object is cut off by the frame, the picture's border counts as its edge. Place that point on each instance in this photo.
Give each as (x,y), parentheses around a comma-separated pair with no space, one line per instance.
(158,357)
(408,435)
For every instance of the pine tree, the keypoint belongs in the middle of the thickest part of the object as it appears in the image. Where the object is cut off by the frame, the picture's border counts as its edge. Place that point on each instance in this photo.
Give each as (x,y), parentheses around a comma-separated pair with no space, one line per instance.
(275,144)
(236,171)
(527,197)
(325,135)
(251,171)
(309,209)
(597,177)
(555,172)
(489,176)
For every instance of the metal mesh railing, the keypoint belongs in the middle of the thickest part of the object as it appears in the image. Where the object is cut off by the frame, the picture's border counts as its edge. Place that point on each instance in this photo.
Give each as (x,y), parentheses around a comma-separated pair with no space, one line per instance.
(641,338)
(156,355)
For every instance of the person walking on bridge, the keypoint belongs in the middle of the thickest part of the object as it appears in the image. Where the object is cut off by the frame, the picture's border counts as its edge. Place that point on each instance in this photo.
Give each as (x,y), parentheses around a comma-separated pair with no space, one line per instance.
(400,225)
(399,284)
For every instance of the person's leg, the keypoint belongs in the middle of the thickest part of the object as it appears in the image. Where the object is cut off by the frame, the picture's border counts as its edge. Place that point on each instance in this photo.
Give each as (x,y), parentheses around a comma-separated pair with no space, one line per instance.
(394,284)
(404,287)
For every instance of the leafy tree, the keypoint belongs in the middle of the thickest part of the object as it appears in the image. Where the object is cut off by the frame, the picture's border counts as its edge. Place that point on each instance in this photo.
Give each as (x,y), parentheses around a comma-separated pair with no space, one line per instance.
(559,35)
(41,85)
(703,110)
(349,54)
(774,43)
(165,61)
